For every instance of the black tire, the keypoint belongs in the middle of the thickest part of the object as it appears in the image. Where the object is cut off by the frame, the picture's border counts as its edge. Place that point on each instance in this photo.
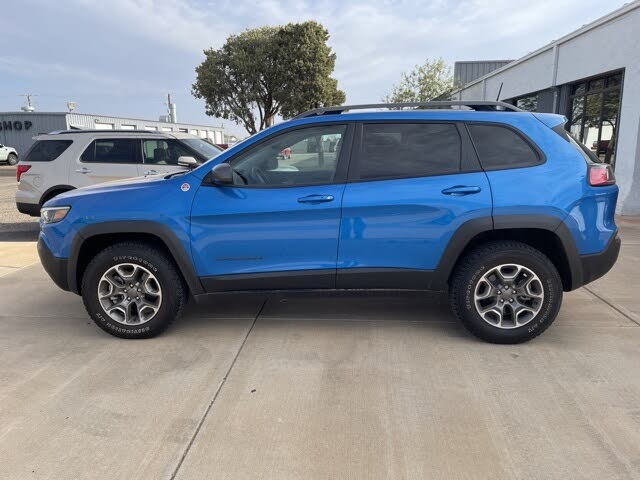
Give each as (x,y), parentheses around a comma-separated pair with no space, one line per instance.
(150,258)
(474,265)
(12,159)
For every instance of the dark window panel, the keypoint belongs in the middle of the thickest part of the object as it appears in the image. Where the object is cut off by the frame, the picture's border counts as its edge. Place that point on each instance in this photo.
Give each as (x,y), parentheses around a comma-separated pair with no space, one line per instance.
(500,147)
(46,150)
(409,150)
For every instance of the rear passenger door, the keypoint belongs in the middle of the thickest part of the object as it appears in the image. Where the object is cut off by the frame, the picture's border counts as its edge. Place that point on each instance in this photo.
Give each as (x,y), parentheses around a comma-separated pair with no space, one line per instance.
(411,185)
(107,159)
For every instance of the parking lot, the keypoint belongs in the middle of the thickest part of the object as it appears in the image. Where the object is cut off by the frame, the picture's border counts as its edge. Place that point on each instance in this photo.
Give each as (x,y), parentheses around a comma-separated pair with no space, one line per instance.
(13,224)
(317,387)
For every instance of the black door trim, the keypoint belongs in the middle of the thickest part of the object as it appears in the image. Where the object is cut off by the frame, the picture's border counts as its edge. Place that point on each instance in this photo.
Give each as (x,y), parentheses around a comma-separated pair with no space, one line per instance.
(267,281)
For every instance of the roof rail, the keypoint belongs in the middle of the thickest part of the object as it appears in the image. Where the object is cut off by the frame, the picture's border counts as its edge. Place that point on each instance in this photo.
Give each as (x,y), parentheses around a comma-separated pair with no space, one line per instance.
(115,131)
(478,105)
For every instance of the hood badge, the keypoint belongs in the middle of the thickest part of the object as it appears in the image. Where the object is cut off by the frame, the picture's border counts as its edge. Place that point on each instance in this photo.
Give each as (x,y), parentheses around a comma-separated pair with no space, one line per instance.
(185,187)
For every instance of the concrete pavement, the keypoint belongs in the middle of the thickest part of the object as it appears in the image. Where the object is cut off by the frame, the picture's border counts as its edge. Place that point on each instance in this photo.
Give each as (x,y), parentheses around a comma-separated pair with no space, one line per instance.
(318,387)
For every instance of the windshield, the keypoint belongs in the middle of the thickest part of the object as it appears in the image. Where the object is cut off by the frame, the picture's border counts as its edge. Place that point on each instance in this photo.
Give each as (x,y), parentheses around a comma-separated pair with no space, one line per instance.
(205,149)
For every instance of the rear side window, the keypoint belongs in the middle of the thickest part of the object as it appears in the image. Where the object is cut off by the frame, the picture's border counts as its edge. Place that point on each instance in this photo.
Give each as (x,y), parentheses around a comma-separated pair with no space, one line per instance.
(500,147)
(400,150)
(47,150)
(112,150)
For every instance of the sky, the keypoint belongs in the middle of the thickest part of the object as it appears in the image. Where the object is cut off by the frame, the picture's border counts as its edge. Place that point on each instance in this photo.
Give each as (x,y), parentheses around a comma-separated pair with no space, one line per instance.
(122,57)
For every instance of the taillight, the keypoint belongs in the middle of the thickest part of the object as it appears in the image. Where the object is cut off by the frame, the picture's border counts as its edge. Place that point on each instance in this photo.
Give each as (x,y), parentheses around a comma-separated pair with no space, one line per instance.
(601,174)
(20,170)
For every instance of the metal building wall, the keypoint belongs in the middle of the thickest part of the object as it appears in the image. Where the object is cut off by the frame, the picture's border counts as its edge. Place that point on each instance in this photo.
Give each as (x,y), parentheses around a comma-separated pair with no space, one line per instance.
(465,72)
(16,133)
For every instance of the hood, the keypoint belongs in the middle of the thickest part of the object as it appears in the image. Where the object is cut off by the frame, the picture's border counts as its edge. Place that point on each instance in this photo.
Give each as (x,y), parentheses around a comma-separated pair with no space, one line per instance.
(124,185)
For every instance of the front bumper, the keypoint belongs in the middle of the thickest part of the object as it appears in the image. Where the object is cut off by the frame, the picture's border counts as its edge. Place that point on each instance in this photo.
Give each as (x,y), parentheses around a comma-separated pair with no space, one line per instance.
(32,209)
(56,267)
(596,265)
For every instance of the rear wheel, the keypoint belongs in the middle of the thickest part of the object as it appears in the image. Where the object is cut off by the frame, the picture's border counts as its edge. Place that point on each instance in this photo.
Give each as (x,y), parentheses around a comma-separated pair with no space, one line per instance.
(506,292)
(12,159)
(133,290)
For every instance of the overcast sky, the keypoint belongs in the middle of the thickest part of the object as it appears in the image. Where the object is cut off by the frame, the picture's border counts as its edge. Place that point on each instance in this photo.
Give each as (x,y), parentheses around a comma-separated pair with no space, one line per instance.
(121,57)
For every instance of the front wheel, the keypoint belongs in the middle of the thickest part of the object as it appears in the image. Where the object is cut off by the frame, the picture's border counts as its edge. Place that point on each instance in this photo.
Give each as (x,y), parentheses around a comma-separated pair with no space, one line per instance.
(133,290)
(12,159)
(506,292)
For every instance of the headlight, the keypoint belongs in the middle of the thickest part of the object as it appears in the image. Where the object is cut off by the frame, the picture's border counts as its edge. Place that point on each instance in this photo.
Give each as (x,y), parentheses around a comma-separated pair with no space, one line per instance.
(53,214)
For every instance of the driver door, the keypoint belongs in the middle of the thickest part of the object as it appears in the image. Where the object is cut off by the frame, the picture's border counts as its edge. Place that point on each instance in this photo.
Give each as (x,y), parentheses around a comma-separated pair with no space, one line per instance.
(277,226)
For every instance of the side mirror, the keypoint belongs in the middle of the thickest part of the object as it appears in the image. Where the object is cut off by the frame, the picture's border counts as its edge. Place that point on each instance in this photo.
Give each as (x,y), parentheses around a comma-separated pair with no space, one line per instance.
(222,174)
(188,162)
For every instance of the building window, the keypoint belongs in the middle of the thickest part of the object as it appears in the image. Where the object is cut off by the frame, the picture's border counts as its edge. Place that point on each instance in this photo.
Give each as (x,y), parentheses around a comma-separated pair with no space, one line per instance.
(593,114)
(104,126)
(183,130)
(528,102)
(127,127)
(193,132)
(150,128)
(167,129)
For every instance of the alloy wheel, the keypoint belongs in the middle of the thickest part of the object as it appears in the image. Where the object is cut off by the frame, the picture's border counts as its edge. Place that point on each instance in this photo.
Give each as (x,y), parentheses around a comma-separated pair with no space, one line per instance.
(508,296)
(130,294)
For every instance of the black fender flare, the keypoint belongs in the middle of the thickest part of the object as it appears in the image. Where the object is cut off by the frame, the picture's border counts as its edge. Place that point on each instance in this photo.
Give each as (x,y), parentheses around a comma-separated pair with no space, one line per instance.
(163,232)
(471,228)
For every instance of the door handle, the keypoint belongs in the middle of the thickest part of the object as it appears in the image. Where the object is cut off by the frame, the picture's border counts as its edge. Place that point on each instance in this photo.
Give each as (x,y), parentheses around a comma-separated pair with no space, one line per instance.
(83,170)
(151,172)
(316,199)
(460,190)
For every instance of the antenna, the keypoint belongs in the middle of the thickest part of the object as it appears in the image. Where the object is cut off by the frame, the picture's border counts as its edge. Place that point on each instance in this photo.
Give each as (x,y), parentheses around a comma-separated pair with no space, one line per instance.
(71,106)
(499,92)
(29,107)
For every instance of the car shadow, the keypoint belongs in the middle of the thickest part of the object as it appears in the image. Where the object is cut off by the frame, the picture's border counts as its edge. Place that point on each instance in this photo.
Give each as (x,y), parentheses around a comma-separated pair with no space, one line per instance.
(428,311)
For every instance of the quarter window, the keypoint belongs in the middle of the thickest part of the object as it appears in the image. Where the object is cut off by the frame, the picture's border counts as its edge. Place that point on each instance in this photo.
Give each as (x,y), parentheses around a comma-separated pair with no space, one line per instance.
(305,156)
(397,150)
(46,150)
(117,150)
(500,147)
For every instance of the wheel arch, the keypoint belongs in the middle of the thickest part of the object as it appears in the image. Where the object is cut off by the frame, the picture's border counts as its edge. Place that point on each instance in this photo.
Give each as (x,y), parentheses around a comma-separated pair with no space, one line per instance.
(94,238)
(545,233)
(53,191)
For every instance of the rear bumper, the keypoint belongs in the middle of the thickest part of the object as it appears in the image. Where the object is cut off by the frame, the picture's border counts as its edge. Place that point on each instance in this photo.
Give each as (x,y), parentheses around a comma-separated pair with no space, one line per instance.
(32,209)
(56,267)
(596,265)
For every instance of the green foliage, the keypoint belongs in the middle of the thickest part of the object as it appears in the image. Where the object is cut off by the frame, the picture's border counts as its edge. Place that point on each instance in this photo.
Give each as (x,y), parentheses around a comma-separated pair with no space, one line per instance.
(268,71)
(427,82)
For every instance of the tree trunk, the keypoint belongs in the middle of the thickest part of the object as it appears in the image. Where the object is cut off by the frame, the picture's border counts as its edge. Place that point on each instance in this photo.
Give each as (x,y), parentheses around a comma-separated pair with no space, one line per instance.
(268,120)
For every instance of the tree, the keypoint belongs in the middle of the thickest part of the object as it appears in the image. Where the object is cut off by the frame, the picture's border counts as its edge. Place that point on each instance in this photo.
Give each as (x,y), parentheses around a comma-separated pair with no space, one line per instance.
(427,82)
(268,71)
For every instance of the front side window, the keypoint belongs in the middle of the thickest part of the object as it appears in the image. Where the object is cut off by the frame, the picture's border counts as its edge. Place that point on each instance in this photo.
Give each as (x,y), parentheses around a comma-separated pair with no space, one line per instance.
(46,150)
(112,150)
(397,150)
(305,156)
(163,152)
(500,147)
(206,149)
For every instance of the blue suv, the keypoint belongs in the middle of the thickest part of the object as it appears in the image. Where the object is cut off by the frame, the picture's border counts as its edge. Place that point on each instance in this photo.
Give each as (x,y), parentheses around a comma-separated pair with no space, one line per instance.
(500,208)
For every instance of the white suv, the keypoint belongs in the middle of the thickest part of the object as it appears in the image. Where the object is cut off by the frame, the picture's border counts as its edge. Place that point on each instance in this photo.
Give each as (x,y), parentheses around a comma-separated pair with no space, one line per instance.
(8,154)
(62,161)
